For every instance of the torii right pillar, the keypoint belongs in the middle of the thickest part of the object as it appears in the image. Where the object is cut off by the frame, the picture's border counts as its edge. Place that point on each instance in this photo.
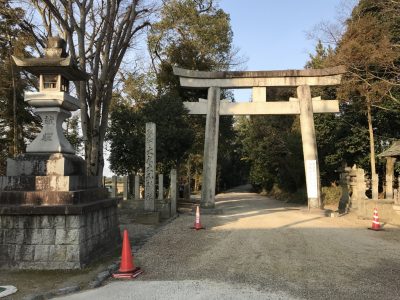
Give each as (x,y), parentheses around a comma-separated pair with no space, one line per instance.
(310,152)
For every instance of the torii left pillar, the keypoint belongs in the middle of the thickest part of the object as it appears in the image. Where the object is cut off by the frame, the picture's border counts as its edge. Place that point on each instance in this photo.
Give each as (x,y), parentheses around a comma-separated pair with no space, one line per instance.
(210,149)
(310,153)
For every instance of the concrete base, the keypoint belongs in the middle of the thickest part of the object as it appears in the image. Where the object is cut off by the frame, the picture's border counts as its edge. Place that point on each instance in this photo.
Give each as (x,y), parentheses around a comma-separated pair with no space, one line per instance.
(388,212)
(48,237)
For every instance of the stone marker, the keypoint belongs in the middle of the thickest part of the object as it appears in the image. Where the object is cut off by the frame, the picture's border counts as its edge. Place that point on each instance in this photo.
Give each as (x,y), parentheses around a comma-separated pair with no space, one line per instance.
(114,188)
(160,186)
(125,182)
(137,187)
(150,168)
(174,194)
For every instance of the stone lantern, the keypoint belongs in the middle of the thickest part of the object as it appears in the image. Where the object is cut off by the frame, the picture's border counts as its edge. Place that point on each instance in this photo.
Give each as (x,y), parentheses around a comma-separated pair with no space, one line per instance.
(52,103)
(391,155)
(53,216)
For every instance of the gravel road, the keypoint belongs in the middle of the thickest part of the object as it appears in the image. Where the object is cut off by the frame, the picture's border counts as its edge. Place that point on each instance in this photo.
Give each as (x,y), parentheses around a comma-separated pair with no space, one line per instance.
(261,248)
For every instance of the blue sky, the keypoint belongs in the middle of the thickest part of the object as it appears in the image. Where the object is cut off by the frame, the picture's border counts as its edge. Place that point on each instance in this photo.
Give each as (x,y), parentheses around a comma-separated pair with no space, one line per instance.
(272,33)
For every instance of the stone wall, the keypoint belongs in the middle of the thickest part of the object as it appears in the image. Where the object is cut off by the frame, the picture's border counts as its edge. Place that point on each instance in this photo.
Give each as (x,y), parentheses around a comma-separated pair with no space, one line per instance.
(387,211)
(57,241)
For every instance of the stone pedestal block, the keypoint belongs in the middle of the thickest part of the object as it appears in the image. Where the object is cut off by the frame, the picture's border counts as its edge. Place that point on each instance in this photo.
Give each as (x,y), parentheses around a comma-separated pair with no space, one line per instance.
(46,164)
(47,238)
(51,138)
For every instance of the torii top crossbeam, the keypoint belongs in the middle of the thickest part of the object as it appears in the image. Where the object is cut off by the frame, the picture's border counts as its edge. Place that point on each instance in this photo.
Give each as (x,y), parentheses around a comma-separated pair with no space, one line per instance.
(246,79)
(259,81)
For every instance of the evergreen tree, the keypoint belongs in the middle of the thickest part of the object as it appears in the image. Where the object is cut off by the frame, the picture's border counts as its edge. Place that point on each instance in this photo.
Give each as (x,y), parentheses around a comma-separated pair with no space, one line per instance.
(18,125)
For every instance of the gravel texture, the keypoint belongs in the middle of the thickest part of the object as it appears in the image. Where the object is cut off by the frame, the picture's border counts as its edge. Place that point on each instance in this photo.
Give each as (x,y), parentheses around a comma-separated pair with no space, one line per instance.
(260,248)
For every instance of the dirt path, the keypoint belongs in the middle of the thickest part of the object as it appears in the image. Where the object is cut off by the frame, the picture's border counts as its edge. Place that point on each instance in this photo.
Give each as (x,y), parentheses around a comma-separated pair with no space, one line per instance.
(268,247)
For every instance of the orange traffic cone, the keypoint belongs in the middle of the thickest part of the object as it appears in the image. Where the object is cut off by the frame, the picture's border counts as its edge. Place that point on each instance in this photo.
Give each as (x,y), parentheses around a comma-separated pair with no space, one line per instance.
(197,223)
(127,268)
(375,222)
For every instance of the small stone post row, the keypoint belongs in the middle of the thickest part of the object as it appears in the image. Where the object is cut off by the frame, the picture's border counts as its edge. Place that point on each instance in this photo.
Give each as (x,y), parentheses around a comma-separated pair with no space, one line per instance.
(137,187)
(125,188)
(114,187)
(174,193)
(160,186)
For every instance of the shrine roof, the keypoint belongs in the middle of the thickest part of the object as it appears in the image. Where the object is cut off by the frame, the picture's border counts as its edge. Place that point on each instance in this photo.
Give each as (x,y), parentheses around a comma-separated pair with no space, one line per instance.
(52,65)
(392,151)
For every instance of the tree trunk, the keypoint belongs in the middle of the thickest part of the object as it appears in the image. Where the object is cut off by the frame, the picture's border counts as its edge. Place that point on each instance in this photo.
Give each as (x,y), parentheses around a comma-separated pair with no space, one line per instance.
(371,146)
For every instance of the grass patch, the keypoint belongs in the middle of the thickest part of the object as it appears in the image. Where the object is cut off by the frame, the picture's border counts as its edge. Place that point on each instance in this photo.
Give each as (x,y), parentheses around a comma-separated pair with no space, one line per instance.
(331,195)
(299,197)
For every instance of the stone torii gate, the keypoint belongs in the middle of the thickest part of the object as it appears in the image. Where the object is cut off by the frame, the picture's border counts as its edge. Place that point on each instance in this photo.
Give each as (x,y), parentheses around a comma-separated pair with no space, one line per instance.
(304,105)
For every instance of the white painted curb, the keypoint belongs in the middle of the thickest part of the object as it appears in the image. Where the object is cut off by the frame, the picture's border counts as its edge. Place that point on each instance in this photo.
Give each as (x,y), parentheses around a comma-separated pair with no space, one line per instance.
(9,290)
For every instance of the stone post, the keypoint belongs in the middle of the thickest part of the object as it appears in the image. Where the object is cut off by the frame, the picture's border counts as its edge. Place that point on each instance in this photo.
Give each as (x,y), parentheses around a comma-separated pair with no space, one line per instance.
(210,148)
(174,194)
(374,186)
(150,168)
(160,186)
(309,147)
(125,183)
(389,177)
(345,197)
(137,187)
(361,188)
(114,187)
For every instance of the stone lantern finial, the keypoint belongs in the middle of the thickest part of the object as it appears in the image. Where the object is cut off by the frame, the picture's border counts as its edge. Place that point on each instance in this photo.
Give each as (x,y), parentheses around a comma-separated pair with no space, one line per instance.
(55,47)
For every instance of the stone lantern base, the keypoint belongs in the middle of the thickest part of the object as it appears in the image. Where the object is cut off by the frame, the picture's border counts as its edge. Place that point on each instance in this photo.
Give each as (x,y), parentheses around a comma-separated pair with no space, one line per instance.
(52,216)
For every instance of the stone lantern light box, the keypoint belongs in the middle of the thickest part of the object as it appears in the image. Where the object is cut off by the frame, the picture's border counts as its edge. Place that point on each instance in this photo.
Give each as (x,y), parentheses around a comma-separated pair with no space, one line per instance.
(52,103)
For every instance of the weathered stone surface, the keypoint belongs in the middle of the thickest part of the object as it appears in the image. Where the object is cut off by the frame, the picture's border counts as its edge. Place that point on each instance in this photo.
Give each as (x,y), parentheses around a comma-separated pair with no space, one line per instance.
(45,164)
(52,197)
(263,108)
(56,241)
(125,192)
(47,183)
(150,168)
(160,186)
(114,186)
(338,70)
(210,148)
(174,193)
(137,187)
(51,138)
(309,146)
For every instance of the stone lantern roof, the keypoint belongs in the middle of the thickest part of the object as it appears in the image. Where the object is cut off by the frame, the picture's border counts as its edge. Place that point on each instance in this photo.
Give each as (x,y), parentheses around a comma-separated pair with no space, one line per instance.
(55,61)
(392,151)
